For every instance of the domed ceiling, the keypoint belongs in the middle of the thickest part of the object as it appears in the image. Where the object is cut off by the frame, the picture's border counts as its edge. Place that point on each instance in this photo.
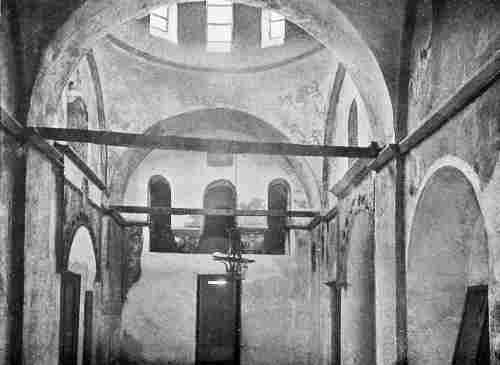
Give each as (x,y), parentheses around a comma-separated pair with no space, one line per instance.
(216,35)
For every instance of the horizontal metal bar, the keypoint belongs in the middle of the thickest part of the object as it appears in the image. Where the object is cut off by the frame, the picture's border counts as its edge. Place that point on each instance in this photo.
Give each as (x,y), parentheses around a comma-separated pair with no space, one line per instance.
(16,129)
(222,212)
(202,144)
(82,165)
(488,73)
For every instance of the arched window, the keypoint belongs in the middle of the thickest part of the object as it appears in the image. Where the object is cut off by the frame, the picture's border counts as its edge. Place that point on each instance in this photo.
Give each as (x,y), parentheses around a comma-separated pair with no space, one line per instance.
(220,194)
(352,128)
(161,236)
(278,198)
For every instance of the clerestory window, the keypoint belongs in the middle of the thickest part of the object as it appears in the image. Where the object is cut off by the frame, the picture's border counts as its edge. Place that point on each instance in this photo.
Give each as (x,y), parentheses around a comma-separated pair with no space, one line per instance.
(163,23)
(219,25)
(273,29)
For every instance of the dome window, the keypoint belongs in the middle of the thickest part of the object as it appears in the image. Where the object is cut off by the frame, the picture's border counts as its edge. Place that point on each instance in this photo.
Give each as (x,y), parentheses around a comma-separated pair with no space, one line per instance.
(163,23)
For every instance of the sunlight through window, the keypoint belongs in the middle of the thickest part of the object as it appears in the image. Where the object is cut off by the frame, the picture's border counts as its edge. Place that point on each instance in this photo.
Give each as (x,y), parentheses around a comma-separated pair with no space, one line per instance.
(219,25)
(163,23)
(273,29)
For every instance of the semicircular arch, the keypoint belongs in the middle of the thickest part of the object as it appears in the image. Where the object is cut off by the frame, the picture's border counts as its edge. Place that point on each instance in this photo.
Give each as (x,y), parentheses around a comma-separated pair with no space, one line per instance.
(203,120)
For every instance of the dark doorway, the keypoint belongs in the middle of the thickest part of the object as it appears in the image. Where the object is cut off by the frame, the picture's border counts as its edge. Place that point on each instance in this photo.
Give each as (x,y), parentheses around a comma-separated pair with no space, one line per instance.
(87,323)
(278,195)
(161,236)
(220,194)
(70,312)
(473,344)
(218,320)
(335,312)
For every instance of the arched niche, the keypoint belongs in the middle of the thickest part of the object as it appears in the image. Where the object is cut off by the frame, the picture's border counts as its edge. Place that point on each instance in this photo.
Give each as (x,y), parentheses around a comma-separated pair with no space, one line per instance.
(82,262)
(358,296)
(220,194)
(161,238)
(278,198)
(447,253)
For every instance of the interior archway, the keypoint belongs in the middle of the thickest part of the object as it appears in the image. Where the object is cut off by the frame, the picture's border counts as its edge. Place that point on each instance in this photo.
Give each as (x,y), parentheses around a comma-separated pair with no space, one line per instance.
(358,296)
(447,253)
(82,262)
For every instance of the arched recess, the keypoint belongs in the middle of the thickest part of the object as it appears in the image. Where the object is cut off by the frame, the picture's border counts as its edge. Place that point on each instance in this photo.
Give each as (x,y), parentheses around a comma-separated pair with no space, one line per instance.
(322,19)
(278,198)
(220,194)
(77,296)
(447,253)
(160,231)
(357,323)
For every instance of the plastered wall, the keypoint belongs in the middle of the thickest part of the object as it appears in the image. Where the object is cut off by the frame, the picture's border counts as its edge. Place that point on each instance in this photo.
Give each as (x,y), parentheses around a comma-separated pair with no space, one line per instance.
(159,316)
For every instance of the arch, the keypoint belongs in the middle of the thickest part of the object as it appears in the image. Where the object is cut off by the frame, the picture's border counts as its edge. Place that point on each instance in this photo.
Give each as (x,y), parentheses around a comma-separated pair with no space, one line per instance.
(278,198)
(322,19)
(82,262)
(72,227)
(445,161)
(219,194)
(447,252)
(82,253)
(161,238)
(202,120)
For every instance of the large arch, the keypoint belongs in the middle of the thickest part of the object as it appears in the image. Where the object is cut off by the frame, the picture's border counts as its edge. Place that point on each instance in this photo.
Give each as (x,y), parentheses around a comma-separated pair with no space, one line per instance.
(203,120)
(321,19)
(447,253)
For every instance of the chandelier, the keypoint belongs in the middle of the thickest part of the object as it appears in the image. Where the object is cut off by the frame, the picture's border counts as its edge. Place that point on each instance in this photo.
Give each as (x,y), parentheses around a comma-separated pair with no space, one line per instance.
(236,265)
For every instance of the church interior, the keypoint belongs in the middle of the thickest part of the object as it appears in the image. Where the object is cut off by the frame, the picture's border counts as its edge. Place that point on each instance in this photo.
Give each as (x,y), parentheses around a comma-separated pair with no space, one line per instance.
(254,182)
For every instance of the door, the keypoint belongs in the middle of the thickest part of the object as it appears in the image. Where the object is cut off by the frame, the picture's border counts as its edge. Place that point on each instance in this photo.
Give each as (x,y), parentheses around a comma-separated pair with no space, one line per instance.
(87,325)
(473,346)
(70,311)
(218,320)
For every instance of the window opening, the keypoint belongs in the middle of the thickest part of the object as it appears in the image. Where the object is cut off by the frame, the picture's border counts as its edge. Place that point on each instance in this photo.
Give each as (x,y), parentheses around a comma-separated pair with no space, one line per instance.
(273,29)
(161,236)
(219,25)
(352,128)
(278,196)
(163,23)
